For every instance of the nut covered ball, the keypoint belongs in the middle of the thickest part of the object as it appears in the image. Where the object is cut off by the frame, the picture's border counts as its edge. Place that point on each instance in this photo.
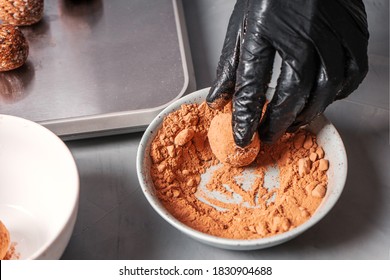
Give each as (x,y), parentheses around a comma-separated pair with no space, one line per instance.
(13,48)
(21,12)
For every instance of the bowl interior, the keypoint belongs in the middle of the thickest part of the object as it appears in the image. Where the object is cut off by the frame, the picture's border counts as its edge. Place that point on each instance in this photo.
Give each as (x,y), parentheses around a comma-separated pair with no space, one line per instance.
(327,137)
(38,187)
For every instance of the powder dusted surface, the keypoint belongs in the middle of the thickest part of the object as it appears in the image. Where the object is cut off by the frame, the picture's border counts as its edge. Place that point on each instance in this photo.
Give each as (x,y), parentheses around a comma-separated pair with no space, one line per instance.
(181,153)
(12,253)
(4,240)
(7,248)
(220,136)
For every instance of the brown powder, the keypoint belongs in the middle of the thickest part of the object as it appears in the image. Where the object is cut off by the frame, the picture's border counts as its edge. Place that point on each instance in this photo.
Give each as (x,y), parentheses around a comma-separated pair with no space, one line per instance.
(227,206)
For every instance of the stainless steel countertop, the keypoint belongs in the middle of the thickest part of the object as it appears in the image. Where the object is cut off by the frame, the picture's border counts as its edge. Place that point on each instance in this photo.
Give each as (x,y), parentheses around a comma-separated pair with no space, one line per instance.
(116,222)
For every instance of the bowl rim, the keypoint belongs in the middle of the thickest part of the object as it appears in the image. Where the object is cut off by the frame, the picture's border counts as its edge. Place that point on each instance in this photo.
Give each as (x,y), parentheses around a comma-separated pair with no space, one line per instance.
(244,244)
(73,205)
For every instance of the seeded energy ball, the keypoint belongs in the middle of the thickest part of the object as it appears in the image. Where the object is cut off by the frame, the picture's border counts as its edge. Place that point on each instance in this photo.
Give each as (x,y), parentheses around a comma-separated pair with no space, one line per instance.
(13,48)
(21,12)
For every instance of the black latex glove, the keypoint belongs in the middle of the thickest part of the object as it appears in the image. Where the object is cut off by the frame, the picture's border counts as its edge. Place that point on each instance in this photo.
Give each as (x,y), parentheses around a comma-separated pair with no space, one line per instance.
(323,46)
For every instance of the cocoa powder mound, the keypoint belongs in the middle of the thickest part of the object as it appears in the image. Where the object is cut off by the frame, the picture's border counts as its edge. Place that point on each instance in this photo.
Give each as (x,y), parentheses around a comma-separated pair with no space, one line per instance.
(181,155)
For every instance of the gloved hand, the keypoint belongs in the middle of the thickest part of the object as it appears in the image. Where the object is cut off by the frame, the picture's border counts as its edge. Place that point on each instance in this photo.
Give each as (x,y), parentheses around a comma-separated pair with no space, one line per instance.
(323,46)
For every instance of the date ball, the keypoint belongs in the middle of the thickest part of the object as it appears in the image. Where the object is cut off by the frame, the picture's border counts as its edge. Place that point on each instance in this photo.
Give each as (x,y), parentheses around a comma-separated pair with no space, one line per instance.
(13,48)
(21,12)
(4,240)
(222,143)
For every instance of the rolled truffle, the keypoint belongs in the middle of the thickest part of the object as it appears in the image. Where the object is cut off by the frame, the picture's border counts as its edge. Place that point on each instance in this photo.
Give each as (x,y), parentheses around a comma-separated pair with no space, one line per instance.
(222,143)
(4,240)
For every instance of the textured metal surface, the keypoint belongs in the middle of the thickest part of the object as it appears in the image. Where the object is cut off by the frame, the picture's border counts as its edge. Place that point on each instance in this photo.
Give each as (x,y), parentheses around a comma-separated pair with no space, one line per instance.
(95,60)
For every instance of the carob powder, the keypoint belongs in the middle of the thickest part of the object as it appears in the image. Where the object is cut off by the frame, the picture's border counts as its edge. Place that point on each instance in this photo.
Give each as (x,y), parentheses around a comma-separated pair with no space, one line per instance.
(181,154)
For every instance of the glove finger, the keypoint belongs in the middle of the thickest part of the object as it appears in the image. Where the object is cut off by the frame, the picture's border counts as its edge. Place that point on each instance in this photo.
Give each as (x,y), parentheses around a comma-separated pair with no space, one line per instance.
(253,76)
(348,23)
(329,79)
(299,64)
(319,99)
(222,88)
(344,62)
(354,76)
(353,33)
(356,62)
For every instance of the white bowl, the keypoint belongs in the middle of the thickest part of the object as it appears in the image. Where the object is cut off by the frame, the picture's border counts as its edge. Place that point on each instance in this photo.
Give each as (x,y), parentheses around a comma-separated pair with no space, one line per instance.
(327,137)
(39,188)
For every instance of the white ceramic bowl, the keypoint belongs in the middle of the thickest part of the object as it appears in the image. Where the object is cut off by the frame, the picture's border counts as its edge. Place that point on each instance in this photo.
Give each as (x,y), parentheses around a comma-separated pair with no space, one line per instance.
(39,188)
(327,137)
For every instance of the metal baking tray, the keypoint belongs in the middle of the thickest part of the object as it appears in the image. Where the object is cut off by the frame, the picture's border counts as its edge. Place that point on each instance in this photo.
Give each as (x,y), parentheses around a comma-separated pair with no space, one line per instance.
(100,67)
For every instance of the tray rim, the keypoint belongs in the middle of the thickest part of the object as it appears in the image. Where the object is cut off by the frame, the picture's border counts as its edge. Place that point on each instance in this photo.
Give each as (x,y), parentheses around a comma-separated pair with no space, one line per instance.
(73,128)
